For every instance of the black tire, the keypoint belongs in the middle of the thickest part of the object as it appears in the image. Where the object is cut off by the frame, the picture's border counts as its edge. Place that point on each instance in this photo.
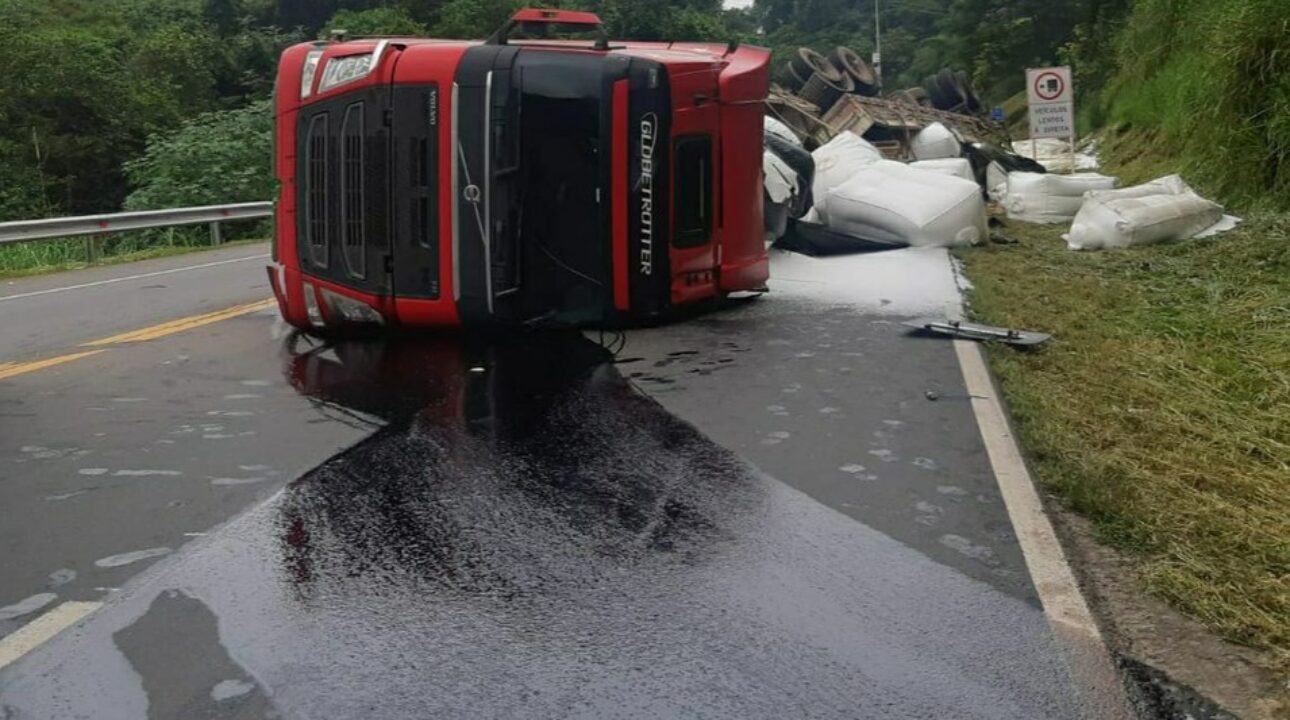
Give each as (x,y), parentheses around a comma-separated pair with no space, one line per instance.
(949,90)
(794,82)
(970,98)
(823,92)
(807,62)
(935,96)
(866,83)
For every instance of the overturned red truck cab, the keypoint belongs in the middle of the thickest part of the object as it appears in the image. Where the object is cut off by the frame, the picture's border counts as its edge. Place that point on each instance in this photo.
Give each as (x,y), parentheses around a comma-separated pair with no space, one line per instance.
(444,183)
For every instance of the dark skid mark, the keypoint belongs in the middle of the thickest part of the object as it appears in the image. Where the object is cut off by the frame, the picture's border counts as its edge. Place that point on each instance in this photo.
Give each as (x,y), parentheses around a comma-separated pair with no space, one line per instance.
(184,673)
(532,477)
(1156,695)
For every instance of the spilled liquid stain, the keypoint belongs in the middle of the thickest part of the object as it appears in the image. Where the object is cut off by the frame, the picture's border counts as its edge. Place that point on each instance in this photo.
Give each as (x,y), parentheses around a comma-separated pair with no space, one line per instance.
(504,468)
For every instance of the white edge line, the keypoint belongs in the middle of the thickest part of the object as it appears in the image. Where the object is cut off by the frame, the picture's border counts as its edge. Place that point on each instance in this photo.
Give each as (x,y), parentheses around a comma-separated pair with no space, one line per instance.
(43,629)
(1063,602)
(141,276)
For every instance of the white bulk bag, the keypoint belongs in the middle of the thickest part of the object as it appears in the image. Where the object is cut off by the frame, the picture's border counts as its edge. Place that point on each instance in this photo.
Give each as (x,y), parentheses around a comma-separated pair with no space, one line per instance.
(837,160)
(935,142)
(891,201)
(996,182)
(772,126)
(1167,185)
(955,167)
(1158,211)
(1049,198)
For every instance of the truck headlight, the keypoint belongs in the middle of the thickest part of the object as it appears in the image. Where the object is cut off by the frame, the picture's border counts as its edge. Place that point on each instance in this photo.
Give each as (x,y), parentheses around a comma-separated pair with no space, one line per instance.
(307,73)
(341,70)
(351,310)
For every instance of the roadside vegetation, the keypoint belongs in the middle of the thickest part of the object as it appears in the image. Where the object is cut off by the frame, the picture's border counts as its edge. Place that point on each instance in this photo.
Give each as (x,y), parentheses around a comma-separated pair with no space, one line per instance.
(1202,87)
(28,259)
(1161,408)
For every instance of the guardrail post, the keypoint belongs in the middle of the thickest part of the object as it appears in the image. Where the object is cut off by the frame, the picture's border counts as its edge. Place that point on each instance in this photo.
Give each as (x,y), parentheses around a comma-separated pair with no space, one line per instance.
(91,249)
(216,238)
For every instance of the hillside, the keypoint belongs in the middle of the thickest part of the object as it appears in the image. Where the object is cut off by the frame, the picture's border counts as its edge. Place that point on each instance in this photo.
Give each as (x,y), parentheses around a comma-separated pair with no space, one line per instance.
(1202,87)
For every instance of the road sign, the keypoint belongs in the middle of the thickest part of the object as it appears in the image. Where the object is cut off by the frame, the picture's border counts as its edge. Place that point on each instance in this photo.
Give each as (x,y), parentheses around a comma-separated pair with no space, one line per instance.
(1051,97)
(997,114)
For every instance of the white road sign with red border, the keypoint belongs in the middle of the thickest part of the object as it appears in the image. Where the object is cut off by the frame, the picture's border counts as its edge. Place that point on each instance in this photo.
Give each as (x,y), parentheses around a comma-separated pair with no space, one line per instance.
(1050,95)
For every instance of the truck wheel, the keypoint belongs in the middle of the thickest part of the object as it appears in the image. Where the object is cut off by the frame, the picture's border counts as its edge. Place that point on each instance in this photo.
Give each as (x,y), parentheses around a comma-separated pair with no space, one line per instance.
(822,92)
(808,62)
(794,81)
(866,83)
(970,99)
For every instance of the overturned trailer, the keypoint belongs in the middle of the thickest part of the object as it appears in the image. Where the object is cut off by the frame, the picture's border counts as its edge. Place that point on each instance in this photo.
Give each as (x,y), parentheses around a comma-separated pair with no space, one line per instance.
(827,95)
(888,123)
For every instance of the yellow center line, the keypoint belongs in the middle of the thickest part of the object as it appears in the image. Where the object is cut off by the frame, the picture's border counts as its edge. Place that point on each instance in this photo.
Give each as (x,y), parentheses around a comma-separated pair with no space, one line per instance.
(43,629)
(13,369)
(182,324)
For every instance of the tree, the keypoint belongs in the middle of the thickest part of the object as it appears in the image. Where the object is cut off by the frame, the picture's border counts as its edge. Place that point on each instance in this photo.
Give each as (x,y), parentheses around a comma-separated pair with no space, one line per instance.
(377,21)
(473,18)
(215,158)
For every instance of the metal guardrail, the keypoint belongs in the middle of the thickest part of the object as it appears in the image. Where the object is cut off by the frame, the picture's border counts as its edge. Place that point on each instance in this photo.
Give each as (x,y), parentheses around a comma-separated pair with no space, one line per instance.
(94,226)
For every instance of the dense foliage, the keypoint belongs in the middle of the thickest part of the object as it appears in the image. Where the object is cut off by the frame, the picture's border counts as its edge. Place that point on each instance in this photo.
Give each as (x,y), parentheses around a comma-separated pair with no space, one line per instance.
(84,83)
(87,87)
(217,157)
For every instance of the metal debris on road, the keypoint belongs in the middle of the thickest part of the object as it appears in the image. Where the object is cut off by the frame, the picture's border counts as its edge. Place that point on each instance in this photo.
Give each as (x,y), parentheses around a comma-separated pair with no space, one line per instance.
(975,331)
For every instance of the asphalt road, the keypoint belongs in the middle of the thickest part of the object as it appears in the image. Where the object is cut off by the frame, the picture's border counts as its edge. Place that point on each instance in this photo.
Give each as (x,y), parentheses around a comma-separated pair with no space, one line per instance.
(757,513)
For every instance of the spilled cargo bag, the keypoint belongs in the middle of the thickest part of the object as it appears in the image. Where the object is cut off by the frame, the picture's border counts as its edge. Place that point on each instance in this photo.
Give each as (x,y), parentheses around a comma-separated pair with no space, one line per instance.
(1050,198)
(955,167)
(838,160)
(1158,211)
(890,201)
(935,142)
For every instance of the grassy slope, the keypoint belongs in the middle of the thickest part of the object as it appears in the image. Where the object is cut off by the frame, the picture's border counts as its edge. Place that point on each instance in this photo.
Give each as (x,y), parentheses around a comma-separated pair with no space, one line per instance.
(1161,409)
(1203,88)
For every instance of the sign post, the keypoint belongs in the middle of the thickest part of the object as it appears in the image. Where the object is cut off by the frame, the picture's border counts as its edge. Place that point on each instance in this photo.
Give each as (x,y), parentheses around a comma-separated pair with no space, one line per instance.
(1050,96)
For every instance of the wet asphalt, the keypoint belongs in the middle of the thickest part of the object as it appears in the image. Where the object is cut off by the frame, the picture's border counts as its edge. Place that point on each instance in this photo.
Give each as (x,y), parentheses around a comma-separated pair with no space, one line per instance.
(757,513)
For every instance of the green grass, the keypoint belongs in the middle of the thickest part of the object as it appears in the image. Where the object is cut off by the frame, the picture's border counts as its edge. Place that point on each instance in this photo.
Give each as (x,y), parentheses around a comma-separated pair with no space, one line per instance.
(39,258)
(1205,83)
(1161,408)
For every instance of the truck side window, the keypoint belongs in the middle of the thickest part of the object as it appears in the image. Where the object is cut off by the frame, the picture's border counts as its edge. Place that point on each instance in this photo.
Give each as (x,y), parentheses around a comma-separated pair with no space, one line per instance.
(693,191)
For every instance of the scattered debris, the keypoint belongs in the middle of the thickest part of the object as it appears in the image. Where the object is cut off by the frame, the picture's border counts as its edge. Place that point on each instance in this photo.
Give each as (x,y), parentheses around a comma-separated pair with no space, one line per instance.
(832,107)
(1057,156)
(974,331)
